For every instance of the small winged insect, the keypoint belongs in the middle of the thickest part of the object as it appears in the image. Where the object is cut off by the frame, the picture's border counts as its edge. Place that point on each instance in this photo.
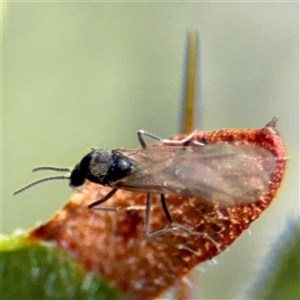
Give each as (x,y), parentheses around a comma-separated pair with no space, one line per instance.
(223,173)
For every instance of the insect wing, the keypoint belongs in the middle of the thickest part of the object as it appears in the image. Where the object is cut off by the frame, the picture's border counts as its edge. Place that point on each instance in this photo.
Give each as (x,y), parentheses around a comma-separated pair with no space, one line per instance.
(222,173)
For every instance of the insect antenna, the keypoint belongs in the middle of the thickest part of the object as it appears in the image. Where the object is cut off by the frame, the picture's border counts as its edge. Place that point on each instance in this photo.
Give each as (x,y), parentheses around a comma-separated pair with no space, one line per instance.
(51,169)
(54,177)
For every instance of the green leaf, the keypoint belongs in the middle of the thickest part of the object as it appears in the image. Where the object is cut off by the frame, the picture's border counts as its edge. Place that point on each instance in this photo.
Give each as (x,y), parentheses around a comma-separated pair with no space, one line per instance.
(283,281)
(33,270)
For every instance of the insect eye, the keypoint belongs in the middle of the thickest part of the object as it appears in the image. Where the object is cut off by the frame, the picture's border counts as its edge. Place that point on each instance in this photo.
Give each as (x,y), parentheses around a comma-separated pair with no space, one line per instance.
(121,166)
(77,177)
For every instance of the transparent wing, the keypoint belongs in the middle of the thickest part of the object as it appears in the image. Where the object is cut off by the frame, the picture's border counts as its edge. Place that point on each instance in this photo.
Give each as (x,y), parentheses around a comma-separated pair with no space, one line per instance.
(222,173)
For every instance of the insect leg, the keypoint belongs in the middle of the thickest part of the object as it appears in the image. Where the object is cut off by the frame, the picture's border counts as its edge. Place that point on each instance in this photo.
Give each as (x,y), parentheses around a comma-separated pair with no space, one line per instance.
(147,215)
(140,134)
(186,141)
(164,205)
(147,220)
(148,212)
(173,225)
(105,198)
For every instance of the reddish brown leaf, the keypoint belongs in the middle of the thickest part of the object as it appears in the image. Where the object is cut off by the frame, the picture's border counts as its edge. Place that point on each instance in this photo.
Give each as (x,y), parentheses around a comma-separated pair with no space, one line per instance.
(114,243)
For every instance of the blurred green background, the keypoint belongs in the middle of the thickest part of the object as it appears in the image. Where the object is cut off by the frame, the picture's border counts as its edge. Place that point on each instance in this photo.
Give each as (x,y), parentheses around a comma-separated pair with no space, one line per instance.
(77,75)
